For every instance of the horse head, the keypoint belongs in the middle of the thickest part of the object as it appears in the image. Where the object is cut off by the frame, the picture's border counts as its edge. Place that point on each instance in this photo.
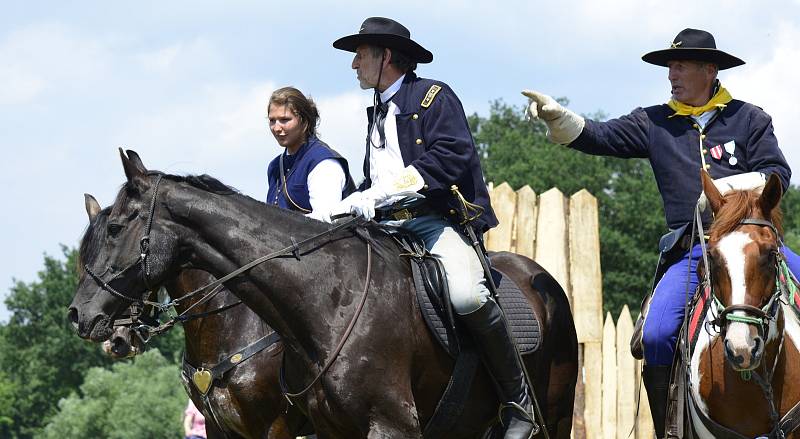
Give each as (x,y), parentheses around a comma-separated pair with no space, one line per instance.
(124,254)
(743,252)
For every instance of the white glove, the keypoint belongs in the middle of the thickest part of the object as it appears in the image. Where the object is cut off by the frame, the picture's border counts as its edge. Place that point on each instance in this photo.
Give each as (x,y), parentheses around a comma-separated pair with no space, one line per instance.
(363,203)
(358,203)
(563,126)
(322,215)
(346,206)
(740,182)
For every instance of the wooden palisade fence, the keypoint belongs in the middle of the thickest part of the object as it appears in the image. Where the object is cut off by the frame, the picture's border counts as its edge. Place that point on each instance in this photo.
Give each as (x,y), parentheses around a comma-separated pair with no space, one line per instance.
(562,234)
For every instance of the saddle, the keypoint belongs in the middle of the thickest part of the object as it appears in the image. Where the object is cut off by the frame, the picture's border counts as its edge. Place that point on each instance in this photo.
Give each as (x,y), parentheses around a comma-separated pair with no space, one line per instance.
(434,303)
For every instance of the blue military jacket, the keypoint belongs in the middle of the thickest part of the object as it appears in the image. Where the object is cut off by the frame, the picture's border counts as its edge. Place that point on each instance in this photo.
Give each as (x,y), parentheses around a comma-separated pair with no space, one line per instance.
(434,137)
(296,168)
(738,139)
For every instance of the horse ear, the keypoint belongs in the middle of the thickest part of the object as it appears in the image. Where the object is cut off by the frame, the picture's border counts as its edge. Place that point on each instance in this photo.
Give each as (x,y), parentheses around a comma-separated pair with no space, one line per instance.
(134,157)
(771,195)
(134,169)
(712,193)
(92,206)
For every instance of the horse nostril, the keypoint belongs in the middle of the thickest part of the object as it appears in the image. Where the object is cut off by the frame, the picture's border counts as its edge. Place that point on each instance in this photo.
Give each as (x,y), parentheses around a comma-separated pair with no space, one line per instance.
(120,347)
(732,357)
(72,315)
(756,352)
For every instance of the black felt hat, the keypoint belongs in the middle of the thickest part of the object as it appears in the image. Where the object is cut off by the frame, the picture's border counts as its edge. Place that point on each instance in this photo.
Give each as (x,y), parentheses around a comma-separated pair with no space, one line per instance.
(385,32)
(693,45)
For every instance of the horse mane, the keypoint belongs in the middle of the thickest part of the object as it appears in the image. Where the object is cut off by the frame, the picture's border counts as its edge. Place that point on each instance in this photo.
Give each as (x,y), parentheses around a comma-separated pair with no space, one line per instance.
(206,183)
(738,206)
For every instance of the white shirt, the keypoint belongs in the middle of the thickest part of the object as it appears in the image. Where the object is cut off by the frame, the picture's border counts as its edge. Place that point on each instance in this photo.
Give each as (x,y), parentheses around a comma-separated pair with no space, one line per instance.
(386,163)
(704,118)
(325,185)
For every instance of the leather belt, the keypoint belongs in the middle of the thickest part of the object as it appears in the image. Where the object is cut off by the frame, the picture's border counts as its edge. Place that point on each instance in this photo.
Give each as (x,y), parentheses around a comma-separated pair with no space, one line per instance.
(402,213)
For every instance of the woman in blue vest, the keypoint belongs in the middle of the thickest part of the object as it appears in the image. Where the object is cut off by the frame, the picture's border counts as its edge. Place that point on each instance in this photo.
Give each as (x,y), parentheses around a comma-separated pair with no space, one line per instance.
(308,176)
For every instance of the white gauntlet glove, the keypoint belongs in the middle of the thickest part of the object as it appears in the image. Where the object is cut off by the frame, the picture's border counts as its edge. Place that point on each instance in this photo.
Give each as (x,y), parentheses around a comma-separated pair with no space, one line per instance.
(563,126)
(363,203)
(739,182)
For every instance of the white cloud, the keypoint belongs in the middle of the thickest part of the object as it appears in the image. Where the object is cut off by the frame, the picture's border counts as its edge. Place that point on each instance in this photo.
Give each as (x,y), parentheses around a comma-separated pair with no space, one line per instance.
(222,131)
(45,57)
(160,60)
(344,126)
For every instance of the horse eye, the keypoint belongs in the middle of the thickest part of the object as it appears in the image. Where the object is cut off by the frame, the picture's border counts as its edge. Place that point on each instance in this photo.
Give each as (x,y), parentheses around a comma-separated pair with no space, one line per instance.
(114,229)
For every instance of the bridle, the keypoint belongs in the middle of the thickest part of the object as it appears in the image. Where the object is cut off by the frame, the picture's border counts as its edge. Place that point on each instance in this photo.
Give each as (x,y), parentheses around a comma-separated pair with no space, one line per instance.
(141,261)
(134,318)
(215,286)
(755,316)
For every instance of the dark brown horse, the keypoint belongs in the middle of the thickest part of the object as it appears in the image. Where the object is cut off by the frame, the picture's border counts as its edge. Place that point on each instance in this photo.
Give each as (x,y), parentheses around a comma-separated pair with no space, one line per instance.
(745,370)
(339,296)
(247,400)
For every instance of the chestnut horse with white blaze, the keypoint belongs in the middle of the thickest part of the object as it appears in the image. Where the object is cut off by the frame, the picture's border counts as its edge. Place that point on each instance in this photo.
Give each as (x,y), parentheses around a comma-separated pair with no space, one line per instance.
(744,373)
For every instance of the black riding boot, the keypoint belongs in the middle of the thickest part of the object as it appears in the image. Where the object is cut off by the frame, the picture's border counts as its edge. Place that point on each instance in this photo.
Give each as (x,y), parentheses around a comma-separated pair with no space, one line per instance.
(656,381)
(488,328)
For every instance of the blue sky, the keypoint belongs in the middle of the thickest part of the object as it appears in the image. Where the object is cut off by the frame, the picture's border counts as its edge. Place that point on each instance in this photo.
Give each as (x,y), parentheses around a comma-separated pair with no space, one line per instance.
(185,83)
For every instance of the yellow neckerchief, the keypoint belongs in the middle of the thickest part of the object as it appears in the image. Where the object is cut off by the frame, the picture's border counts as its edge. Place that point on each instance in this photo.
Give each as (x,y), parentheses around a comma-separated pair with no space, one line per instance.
(719,101)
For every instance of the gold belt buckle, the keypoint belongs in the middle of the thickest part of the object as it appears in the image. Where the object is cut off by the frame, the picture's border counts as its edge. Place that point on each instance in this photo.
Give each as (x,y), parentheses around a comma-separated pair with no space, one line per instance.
(402,215)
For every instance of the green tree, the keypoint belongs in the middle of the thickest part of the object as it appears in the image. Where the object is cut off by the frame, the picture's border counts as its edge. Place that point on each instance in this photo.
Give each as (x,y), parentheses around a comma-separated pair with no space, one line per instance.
(7,397)
(41,357)
(136,399)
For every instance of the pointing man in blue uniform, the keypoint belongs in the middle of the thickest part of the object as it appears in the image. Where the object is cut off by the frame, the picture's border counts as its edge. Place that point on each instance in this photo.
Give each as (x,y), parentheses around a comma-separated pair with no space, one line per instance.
(419,141)
(701,127)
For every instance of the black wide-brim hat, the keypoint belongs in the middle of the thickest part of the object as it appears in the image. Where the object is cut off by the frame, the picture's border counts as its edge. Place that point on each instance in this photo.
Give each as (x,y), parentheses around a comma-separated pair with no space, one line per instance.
(385,32)
(693,45)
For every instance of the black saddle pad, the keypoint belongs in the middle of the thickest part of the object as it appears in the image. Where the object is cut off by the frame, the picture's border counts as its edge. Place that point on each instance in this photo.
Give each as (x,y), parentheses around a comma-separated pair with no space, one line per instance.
(518,312)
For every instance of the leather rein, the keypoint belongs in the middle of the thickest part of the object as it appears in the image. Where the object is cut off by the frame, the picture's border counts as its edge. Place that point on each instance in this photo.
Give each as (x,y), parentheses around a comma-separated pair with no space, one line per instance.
(216,285)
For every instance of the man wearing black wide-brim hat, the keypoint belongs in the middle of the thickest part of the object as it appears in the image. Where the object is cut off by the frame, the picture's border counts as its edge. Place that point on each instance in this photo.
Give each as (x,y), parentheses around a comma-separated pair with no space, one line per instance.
(419,142)
(700,128)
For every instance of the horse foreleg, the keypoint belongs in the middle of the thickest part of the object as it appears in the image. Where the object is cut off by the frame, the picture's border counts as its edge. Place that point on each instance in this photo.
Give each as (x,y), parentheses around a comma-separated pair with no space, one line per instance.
(381,430)
(399,422)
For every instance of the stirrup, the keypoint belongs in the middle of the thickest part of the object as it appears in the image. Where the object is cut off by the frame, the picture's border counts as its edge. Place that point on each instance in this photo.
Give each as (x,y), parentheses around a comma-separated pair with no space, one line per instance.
(528,416)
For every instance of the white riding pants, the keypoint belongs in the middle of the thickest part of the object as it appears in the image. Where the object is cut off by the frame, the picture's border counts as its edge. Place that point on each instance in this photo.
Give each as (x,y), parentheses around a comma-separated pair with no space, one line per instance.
(463,269)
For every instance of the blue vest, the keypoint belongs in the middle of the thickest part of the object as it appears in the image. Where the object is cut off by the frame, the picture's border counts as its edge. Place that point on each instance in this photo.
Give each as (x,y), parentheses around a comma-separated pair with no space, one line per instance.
(296,168)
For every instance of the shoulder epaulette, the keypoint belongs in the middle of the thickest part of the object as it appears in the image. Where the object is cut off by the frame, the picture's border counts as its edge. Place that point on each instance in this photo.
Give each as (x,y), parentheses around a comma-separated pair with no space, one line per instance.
(426,102)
